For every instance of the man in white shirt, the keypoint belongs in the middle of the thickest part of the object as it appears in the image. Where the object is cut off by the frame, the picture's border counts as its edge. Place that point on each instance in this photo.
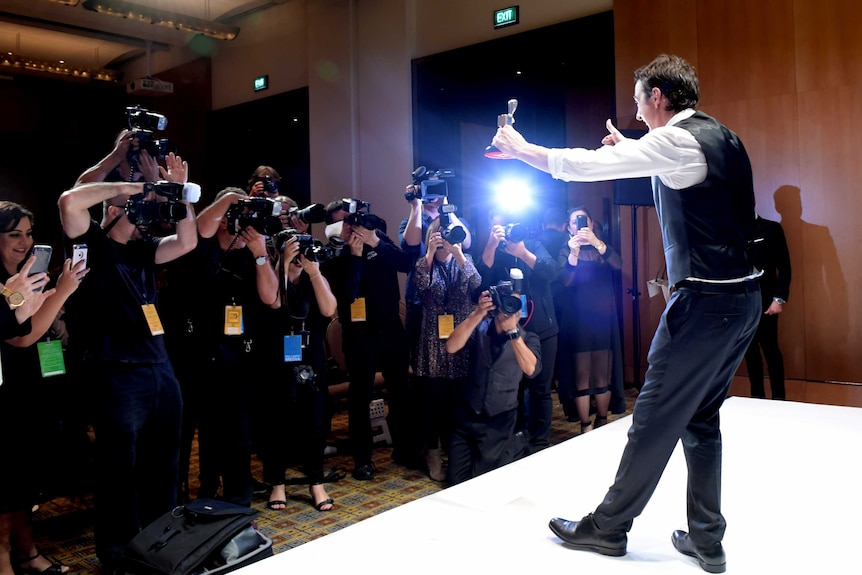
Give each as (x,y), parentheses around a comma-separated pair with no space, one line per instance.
(704,196)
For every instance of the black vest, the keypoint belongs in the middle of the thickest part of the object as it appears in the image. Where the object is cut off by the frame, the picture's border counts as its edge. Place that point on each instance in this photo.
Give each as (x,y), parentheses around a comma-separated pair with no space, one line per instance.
(706,227)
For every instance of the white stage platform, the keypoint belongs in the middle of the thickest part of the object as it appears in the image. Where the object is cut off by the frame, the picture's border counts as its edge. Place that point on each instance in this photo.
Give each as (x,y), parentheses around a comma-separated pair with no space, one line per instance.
(792,497)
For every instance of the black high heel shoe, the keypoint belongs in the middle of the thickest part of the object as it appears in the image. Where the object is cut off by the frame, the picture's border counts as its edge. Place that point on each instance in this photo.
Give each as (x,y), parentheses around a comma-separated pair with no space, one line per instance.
(320,505)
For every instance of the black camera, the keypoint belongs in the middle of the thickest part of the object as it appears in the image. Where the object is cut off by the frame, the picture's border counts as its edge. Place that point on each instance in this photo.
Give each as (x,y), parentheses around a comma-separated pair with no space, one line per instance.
(143,124)
(313,214)
(258,213)
(503,298)
(143,212)
(514,233)
(359,214)
(452,233)
(269,185)
(431,185)
(309,246)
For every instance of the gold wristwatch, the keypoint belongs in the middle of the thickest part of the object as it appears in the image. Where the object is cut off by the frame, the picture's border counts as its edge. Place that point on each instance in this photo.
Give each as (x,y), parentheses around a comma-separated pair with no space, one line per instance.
(15,299)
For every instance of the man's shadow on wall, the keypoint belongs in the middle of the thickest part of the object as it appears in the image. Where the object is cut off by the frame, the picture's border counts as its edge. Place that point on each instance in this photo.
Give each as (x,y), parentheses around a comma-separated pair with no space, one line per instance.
(818,322)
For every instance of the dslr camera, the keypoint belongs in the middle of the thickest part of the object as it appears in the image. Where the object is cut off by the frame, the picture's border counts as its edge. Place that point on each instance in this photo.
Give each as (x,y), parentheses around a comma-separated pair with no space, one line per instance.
(258,213)
(449,231)
(359,214)
(269,185)
(503,298)
(143,125)
(309,246)
(515,232)
(171,210)
(431,185)
(313,214)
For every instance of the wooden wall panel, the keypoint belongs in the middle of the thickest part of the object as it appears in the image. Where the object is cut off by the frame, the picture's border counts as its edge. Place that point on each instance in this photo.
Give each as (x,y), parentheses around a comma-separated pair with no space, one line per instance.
(643,29)
(785,75)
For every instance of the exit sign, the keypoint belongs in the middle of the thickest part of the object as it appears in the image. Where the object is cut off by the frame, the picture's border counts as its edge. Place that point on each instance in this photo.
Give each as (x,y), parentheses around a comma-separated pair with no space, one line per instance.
(506,17)
(261,83)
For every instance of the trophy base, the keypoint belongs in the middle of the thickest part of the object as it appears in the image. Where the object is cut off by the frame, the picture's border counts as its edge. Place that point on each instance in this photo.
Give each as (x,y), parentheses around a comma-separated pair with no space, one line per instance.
(495,154)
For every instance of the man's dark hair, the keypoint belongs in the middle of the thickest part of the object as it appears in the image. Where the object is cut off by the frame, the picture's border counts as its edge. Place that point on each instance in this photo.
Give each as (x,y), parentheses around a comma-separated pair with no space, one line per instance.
(676,79)
(554,216)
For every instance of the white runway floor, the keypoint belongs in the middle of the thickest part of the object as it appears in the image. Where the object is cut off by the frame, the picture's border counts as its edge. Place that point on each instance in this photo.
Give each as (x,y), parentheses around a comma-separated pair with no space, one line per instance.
(792,497)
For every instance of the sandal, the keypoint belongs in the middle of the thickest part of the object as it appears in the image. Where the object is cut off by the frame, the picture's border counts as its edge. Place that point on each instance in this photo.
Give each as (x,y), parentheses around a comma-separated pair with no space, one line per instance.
(319,505)
(53,569)
(277,504)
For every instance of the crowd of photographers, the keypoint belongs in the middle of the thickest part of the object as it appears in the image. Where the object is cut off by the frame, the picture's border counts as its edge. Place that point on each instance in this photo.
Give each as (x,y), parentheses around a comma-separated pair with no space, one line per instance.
(216,323)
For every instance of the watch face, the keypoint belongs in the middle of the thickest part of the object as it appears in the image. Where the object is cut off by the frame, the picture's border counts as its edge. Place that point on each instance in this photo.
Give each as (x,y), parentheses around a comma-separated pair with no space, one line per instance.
(16,299)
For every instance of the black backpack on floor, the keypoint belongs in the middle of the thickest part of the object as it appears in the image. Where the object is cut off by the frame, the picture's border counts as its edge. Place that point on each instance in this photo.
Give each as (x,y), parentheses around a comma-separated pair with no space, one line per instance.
(203,536)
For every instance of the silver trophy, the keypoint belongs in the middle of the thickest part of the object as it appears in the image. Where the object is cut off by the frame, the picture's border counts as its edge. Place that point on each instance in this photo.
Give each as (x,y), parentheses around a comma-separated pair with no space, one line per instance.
(506,119)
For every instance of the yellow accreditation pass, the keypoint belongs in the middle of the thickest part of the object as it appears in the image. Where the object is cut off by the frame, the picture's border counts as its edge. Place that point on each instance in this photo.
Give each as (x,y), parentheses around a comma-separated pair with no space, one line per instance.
(357,310)
(233,320)
(445,325)
(153,320)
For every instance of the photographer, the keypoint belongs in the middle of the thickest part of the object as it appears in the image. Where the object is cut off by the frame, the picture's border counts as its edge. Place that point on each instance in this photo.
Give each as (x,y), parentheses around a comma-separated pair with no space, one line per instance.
(365,282)
(507,255)
(445,280)
(501,353)
(295,357)
(136,398)
(233,283)
(424,209)
(263,183)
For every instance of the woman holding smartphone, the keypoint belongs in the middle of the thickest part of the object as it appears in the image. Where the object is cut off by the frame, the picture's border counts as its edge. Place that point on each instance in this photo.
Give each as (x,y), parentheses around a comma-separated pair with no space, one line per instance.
(587,313)
(23,392)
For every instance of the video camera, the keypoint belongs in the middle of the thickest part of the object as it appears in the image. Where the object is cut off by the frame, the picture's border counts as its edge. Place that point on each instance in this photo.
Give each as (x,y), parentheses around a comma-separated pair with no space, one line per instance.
(359,214)
(143,212)
(143,124)
(503,298)
(449,231)
(258,213)
(309,246)
(431,186)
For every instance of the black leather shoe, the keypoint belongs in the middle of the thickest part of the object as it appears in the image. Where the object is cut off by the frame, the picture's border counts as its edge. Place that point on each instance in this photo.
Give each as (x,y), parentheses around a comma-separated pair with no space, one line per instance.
(364,472)
(711,560)
(584,535)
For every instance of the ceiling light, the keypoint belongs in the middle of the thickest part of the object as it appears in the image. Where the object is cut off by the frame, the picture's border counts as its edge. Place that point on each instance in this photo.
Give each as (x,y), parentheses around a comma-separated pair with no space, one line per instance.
(66,2)
(132,11)
(19,63)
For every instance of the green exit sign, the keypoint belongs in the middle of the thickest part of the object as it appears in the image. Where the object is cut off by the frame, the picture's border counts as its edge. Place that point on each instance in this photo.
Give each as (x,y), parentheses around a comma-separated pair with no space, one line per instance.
(261,83)
(506,17)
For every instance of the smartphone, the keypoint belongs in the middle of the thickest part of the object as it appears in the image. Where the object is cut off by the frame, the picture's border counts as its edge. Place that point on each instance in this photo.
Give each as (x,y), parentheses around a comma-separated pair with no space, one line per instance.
(79,254)
(580,221)
(43,259)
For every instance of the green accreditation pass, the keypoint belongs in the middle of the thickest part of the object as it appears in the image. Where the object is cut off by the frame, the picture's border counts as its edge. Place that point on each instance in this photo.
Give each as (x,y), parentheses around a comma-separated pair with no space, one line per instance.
(51,358)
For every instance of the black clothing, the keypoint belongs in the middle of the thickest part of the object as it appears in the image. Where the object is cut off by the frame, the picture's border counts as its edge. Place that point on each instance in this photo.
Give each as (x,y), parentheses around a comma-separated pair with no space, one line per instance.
(137,406)
(541,319)
(298,434)
(485,414)
(772,256)
(706,229)
(699,342)
(122,276)
(376,344)
(212,367)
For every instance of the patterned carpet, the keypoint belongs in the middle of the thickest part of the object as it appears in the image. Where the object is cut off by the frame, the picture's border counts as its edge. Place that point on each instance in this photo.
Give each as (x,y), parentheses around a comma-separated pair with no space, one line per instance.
(63,525)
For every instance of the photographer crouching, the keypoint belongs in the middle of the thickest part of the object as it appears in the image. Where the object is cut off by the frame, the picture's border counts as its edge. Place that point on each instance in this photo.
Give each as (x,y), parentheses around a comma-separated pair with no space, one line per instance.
(365,282)
(501,353)
(136,399)
(233,284)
